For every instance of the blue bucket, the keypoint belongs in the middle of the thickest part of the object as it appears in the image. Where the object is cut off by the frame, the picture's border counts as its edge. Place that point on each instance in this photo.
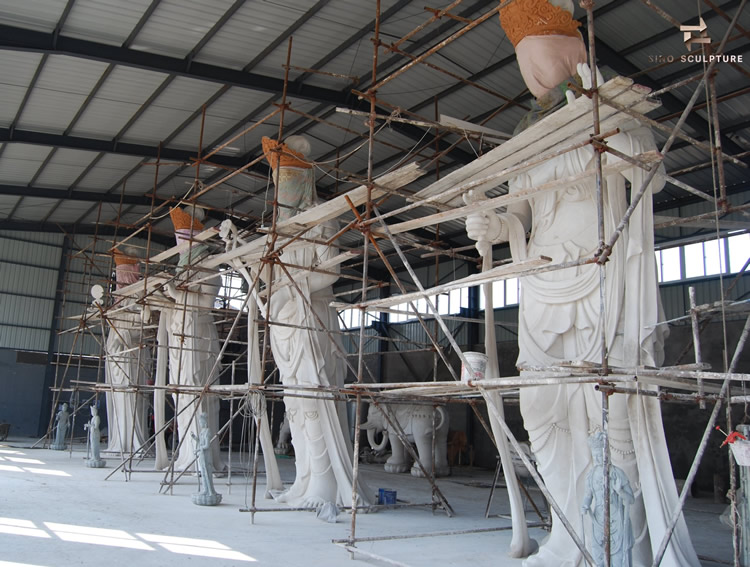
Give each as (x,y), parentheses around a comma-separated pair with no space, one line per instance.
(386,496)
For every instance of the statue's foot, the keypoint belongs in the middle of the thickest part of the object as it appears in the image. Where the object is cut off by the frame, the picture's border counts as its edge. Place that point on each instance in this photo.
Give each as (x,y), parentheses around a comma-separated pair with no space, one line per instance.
(439,471)
(313,501)
(522,546)
(206,499)
(548,558)
(396,467)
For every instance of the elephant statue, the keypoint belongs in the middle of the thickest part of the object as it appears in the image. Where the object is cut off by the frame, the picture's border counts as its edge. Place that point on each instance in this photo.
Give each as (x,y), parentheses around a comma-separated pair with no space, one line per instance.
(416,422)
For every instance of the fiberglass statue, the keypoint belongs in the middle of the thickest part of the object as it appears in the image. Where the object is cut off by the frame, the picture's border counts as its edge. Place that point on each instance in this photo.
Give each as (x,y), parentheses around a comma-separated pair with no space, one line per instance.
(207,495)
(559,312)
(416,422)
(192,336)
(620,500)
(62,422)
(303,351)
(126,365)
(94,460)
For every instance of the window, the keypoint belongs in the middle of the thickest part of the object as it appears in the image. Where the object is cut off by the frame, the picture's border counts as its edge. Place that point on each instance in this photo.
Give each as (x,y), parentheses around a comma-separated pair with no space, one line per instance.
(232,292)
(668,264)
(739,251)
(504,294)
(447,303)
(352,318)
(702,259)
(705,259)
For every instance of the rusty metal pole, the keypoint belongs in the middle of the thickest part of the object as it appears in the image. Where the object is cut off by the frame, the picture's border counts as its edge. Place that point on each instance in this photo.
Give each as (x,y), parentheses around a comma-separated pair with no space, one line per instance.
(588,5)
(365,255)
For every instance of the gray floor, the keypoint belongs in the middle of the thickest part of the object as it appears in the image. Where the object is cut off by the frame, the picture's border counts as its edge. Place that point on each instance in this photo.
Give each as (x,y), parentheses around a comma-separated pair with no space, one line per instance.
(54,512)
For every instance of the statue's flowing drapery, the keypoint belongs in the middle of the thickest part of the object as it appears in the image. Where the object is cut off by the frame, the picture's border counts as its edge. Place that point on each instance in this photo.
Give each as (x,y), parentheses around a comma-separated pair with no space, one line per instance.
(126,365)
(560,320)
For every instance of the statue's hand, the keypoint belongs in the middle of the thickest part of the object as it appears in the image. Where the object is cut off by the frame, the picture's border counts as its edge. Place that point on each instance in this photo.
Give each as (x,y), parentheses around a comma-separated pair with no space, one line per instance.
(584,71)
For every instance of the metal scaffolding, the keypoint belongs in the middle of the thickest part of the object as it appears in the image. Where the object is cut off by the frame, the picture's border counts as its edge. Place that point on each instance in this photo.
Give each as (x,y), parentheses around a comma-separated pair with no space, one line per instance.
(386,237)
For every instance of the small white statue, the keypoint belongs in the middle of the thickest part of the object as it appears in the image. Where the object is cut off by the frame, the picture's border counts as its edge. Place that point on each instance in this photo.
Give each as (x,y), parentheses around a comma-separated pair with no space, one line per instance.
(94,460)
(62,422)
(207,495)
(620,500)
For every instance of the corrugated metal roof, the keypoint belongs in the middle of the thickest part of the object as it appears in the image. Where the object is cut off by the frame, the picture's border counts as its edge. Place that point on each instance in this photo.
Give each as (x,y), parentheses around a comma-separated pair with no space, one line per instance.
(41,15)
(176,26)
(60,91)
(117,101)
(108,170)
(105,21)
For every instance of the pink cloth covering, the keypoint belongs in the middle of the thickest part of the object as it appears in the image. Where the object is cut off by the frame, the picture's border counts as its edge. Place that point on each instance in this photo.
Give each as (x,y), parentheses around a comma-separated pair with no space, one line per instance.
(547,60)
(127,274)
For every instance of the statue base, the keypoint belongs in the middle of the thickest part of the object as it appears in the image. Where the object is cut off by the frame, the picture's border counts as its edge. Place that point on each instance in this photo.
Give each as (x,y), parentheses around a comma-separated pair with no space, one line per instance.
(205,499)
(57,447)
(96,464)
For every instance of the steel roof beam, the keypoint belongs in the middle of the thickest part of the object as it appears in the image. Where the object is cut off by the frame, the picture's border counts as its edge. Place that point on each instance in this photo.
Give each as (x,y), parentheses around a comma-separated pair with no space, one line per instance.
(21,39)
(112,147)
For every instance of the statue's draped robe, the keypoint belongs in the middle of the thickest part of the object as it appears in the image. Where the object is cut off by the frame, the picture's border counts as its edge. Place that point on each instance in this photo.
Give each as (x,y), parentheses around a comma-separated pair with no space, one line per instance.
(308,356)
(193,351)
(126,365)
(559,320)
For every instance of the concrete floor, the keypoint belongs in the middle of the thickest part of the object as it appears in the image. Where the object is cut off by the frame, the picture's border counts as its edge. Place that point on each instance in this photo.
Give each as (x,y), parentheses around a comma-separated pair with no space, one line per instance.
(56,512)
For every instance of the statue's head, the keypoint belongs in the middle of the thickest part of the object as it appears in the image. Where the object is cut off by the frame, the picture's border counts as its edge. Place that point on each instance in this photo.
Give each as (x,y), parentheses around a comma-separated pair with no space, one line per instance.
(298,144)
(203,420)
(94,410)
(596,443)
(546,39)
(65,407)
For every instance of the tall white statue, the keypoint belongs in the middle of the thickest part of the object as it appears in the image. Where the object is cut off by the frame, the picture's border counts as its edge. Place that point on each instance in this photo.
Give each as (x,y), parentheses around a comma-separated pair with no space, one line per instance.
(192,337)
(125,364)
(303,351)
(559,311)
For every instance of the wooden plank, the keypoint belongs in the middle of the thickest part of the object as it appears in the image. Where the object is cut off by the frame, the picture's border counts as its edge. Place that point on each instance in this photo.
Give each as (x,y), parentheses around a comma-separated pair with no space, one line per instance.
(498,273)
(338,205)
(495,202)
(489,134)
(183,246)
(565,124)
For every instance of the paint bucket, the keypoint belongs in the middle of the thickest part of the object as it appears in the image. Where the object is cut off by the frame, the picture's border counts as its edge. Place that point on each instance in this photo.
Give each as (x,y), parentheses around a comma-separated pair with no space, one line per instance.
(386,496)
(477,364)
(741,452)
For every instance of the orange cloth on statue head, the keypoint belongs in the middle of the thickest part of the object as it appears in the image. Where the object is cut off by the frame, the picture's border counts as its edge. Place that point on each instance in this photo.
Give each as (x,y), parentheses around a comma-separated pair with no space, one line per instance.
(122,259)
(182,220)
(287,157)
(522,18)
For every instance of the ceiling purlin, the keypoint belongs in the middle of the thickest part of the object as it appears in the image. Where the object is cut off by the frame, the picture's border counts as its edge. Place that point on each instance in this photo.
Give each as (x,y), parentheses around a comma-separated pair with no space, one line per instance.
(55,34)
(302,125)
(67,132)
(261,168)
(163,86)
(93,229)
(280,39)
(14,38)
